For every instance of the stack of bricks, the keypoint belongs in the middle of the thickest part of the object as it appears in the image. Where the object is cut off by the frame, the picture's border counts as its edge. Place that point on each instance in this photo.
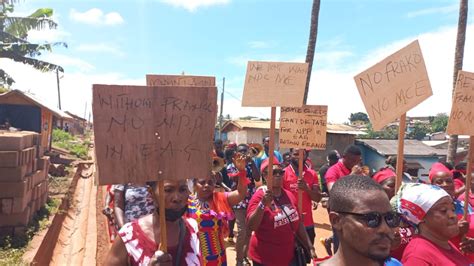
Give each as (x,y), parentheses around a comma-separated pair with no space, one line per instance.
(23,180)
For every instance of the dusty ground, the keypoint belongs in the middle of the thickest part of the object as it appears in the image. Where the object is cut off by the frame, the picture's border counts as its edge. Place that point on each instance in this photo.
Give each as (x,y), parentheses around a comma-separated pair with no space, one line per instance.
(323,230)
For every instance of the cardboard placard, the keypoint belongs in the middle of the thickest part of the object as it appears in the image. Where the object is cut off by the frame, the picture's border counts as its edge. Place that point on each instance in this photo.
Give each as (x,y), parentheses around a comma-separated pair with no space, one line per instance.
(303,127)
(461,120)
(152,133)
(395,85)
(274,84)
(180,81)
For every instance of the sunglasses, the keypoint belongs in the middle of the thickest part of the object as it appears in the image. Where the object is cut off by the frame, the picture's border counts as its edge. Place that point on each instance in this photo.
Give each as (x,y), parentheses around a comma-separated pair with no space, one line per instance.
(374,219)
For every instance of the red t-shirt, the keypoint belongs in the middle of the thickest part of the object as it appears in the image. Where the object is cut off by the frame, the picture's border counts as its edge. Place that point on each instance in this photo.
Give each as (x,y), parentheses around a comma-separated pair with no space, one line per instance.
(458,183)
(471,199)
(290,180)
(421,251)
(336,171)
(273,242)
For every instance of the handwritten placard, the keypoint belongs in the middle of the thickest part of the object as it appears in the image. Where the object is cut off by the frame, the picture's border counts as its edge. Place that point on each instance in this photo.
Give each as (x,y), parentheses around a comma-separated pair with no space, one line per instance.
(274,84)
(395,85)
(461,120)
(180,80)
(152,133)
(303,127)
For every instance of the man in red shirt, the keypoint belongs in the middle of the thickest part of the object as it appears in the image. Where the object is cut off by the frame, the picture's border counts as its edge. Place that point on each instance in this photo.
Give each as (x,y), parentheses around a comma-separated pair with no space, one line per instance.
(349,164)
(309,185)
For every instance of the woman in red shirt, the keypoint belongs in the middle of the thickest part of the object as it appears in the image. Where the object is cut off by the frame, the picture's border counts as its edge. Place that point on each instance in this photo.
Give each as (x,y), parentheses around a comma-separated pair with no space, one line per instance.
(274,218)
(139,241)
(431,209)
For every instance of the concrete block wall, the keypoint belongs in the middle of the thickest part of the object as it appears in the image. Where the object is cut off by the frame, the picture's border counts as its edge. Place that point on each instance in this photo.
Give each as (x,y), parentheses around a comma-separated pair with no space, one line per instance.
(23,180)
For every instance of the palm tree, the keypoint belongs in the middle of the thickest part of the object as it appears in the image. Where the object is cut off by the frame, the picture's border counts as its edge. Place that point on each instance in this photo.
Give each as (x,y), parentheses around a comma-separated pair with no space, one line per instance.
(13,39)
(458,61)
(313,34)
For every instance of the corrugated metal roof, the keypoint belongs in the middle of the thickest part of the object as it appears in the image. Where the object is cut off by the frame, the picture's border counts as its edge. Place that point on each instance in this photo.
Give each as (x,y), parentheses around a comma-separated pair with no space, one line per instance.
(32,98)
(389,147)
(331,128)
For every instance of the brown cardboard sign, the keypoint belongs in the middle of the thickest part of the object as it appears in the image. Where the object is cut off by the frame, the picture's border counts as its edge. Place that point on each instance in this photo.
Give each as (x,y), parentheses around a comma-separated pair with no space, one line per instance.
(152,133)
(395,85)
(461,120)
(274,84)
(180,81)
(303,127)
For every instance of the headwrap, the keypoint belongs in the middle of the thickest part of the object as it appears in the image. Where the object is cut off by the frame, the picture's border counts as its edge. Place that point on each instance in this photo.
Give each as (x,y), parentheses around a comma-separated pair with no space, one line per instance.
(267,161)
(383,175)
(439,167)
(415,200)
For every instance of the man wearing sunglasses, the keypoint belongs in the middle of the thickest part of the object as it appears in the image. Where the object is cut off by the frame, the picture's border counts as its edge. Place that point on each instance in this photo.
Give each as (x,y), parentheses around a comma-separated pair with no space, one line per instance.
(364,222)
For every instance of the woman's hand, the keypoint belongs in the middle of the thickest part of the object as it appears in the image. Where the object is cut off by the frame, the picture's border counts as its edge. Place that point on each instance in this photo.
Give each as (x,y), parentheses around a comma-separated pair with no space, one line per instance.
(267,198)
(463,227)
(239,161)
(161,259)
(467,245)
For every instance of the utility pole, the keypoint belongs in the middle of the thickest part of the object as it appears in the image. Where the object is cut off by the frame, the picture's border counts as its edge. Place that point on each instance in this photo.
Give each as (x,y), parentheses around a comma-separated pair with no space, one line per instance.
(59,92)
(221,117)
(85,110)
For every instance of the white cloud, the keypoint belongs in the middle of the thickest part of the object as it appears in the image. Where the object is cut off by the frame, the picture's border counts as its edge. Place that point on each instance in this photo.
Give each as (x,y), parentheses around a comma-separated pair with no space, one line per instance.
(96,16)
(434,10)
(258,44)
(76,85)
(193,5)
(336,88)
(47,35)
(100,48)
(334,85)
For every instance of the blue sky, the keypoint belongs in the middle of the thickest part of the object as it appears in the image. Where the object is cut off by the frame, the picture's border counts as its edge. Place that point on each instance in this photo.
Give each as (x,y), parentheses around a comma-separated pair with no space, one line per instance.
(119,42)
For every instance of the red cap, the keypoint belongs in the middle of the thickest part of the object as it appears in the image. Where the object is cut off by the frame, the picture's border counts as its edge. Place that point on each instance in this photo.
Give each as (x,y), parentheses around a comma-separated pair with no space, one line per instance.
(383,175)
(265,163)
(439,167)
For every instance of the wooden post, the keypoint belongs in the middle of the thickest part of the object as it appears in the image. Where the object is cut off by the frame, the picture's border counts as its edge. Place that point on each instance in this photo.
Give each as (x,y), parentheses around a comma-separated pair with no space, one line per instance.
(271,148)
(401,144)
(470,164)
(300,177)
(161,204)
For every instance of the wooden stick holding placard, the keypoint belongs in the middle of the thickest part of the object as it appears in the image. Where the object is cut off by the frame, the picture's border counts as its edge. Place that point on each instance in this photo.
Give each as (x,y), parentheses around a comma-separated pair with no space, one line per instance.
(401,145)
(161,205)
(300,177)
(470,163)
(271,148)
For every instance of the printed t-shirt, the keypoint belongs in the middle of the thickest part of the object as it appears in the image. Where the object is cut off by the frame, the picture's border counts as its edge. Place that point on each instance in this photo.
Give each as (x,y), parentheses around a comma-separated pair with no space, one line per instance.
(212,220)
(459,209)
(336,171)
(290,180)
(233,172)
(138,202)
(421,251)
(141,248)
(273,242)
(406,234)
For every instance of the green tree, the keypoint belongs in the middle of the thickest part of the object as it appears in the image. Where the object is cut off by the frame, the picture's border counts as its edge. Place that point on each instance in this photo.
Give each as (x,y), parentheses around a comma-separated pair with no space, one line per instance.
(419,131)
(14,42)
(359,116)
(440,122)
(390,132)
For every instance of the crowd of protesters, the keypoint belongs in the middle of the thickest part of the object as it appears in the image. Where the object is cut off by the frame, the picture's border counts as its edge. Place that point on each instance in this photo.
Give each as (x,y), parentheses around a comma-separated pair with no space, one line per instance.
(372,224)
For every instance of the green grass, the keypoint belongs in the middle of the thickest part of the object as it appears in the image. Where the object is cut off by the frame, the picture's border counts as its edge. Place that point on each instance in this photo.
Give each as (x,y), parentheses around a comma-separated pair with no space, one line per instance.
(66,141)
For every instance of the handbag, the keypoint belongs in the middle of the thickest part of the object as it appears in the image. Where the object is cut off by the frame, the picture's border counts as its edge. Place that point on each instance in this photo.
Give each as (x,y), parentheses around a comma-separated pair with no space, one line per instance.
(302,255)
